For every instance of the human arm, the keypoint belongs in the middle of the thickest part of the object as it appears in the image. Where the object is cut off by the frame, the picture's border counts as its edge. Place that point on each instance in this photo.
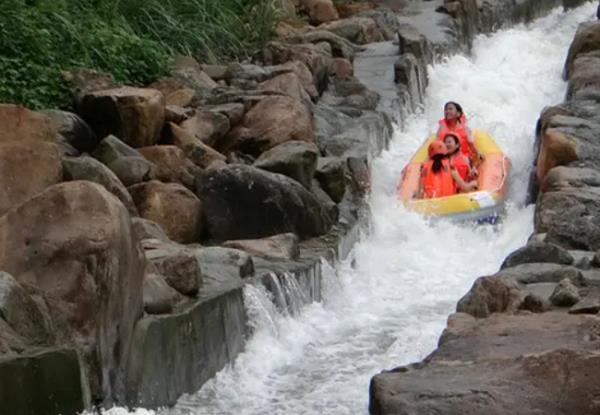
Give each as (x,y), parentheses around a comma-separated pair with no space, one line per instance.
(463,185)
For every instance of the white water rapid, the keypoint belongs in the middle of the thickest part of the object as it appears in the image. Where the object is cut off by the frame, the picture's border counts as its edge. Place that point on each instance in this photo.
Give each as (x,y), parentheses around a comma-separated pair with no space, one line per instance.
(387,305)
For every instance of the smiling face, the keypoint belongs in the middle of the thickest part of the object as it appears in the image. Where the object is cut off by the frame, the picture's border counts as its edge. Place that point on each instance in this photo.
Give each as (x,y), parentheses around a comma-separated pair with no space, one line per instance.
(451,143)
(450,111)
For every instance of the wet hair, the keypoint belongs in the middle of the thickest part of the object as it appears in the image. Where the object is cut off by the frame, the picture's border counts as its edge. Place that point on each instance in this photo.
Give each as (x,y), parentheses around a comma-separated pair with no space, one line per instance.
(456,141)
(457,106)
(437,163)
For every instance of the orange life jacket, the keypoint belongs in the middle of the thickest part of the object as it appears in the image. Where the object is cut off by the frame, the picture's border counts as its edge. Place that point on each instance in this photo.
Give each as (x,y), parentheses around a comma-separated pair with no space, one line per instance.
(438,184)
(460,129)
(461,163)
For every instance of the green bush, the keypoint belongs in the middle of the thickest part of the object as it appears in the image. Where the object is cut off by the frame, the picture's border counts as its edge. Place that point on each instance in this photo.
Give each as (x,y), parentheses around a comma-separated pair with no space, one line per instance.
(132,39)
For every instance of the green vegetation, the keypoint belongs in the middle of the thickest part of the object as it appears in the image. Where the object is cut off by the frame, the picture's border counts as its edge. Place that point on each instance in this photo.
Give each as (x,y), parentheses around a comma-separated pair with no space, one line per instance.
(132,39)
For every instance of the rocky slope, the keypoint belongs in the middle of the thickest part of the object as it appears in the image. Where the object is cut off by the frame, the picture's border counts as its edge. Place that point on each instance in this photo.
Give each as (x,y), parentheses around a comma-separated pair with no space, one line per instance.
(525,340)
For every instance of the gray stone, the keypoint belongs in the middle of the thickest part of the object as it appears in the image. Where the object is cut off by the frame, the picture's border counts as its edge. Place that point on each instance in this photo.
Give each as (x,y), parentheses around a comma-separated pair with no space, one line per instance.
(565,294)
(295,159)
(533,273)
(538,252)
(588,305)
(217,260)
(87,168)
(178,265)
(284,246)
(147,229)
(331,174)
(74,129)
(22,314)
(234,204)
(132,170)
(178,353)
(159,297)
(111,148)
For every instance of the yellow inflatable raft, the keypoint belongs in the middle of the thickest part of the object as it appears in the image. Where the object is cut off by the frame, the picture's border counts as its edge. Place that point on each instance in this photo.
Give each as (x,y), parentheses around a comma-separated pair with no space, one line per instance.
(487,203)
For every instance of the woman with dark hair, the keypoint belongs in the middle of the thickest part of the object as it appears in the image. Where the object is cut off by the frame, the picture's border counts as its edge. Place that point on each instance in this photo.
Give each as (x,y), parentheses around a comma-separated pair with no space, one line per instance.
(438,177)
(457,159)
(454,121)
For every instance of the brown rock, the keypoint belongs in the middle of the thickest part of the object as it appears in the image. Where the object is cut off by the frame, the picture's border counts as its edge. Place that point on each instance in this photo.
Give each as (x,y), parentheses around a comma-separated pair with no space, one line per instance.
(350,9)
(172,206)
(320,11)
(556,149)
(181,97)
(190,73)
(207,126)
(178,265)
(585,72)
(272,121)
(177,114)
(73,246)
(198,152)
(341,67)
(86,81)
(283,246)
(171,164)
(135,115)
(20,124)
(168,85)
(288,84)
(304,75)
(216,72)
(146,229)
(315,58)
(26,169)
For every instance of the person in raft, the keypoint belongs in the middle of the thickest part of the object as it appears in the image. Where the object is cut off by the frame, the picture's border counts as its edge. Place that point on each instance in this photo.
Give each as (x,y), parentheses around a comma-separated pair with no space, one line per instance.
(454,121)
(438,177)
(458,160)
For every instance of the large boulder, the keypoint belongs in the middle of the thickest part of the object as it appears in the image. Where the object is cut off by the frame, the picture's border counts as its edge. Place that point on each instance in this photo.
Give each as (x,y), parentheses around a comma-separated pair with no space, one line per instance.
(135,115)
(340,47)
(569,217)
(556,149)
(350,92)
(586,39)
(274,120)
(538,252)
(87,168)
(88,273)
(585,73)
(242,202)
(171,165)
(26,169)
(74,130)
(20,124)
(177,210)
(295,159)
(288,84)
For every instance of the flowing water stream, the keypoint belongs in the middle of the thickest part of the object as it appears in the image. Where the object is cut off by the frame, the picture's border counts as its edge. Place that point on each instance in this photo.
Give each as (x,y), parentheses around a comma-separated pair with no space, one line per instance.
(387,304)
